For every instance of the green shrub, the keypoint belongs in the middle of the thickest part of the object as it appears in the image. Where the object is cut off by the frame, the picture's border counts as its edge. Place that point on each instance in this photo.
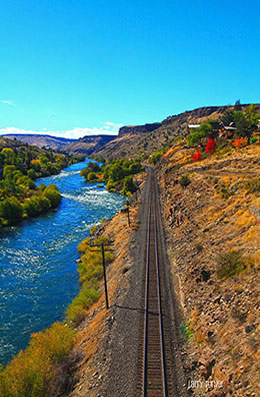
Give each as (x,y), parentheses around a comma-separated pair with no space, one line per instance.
(229,263)
(185,330)
(90,269)
(52,193)
(252,185)
(254,139)
(184,181)
(155,157)
(86,297)
(223,190)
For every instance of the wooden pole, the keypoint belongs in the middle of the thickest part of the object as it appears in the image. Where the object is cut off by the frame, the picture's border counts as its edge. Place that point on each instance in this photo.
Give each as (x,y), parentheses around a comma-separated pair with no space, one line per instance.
(105,277)
(128,216)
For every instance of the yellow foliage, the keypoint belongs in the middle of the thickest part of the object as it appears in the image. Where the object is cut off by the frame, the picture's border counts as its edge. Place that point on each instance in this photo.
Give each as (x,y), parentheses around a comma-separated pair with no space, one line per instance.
(171,151)
(253,233)
(32,372)
(226,180)
(83,245)
(256,258)
(246,219)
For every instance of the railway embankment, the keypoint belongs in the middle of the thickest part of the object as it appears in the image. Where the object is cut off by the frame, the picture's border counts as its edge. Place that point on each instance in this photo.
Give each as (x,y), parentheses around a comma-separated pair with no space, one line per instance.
(212,221)
(104,337)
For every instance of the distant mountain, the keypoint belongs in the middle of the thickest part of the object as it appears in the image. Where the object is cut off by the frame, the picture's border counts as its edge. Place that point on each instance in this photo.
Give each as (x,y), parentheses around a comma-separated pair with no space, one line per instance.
(88,144)
(47,141)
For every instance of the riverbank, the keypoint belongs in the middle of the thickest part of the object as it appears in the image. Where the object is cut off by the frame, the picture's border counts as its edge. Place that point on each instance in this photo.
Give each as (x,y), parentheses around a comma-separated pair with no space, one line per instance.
(20,166)
(39,276)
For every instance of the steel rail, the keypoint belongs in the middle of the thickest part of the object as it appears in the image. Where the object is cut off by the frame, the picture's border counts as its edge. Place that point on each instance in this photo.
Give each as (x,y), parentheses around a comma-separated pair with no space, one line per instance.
(146,330)
(160,305)
(146,297)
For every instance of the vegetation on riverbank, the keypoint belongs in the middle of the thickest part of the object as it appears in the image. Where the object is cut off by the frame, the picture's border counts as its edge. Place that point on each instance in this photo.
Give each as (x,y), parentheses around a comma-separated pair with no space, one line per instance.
(90,271)
(20,165)
(117,175)
(44,368)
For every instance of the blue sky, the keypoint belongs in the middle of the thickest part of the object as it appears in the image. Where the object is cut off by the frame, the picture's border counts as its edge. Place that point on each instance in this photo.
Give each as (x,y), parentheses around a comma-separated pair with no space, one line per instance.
(77,67)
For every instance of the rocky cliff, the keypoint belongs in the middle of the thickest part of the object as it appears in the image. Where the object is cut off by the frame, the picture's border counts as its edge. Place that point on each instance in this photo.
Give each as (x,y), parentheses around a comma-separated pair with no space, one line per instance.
(138,129)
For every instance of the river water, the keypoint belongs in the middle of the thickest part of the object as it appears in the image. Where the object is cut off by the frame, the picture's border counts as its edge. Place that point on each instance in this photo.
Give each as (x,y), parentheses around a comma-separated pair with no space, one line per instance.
(38,271)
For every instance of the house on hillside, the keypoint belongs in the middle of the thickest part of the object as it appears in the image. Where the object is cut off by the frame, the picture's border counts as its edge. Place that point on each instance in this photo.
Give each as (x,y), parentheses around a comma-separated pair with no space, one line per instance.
(219,129)
(226,131)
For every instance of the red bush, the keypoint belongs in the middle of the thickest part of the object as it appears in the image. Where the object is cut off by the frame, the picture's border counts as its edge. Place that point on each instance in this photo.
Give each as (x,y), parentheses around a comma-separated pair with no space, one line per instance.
(197,156)
(240,142)
(211,146)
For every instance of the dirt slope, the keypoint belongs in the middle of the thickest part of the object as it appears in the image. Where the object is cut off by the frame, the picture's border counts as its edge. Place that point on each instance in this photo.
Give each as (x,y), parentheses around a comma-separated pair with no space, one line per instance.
(212,215)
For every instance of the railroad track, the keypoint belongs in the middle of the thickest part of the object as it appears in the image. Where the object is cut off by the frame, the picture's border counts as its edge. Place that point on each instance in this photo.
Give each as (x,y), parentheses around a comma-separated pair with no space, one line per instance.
(154,352)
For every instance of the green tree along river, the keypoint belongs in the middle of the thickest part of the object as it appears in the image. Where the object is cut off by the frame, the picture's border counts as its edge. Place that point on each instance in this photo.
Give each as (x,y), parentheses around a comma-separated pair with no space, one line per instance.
(38,271)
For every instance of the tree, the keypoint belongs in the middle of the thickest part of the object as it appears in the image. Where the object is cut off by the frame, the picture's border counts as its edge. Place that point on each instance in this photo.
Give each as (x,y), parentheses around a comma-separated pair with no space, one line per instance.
(128,185)
(8,170)
(243,127)
(195,137)
(91,176)
(135,168)
(228,116)
(11,210)
(9,155)
(116,172)
(36,205)
(52,193)
(31,174)
(252,116)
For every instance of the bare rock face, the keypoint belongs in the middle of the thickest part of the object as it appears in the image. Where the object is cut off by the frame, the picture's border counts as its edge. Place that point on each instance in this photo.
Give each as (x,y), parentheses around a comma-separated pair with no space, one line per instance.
(137,129)
(198,113)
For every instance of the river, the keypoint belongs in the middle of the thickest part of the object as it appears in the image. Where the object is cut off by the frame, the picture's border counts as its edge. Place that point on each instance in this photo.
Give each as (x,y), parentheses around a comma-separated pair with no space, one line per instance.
(38,272)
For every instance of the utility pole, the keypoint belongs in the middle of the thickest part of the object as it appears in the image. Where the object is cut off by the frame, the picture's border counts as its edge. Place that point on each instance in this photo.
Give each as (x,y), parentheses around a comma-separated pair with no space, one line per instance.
(128,215)
(102,245)
(105,276)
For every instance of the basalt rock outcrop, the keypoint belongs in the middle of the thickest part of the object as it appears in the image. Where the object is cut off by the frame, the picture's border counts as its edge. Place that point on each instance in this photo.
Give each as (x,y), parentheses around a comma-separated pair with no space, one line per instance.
(138,129)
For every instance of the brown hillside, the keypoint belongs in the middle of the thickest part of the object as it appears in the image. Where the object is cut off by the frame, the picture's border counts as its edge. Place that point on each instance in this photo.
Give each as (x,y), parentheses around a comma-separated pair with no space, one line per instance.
(219,211)
(132,145)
